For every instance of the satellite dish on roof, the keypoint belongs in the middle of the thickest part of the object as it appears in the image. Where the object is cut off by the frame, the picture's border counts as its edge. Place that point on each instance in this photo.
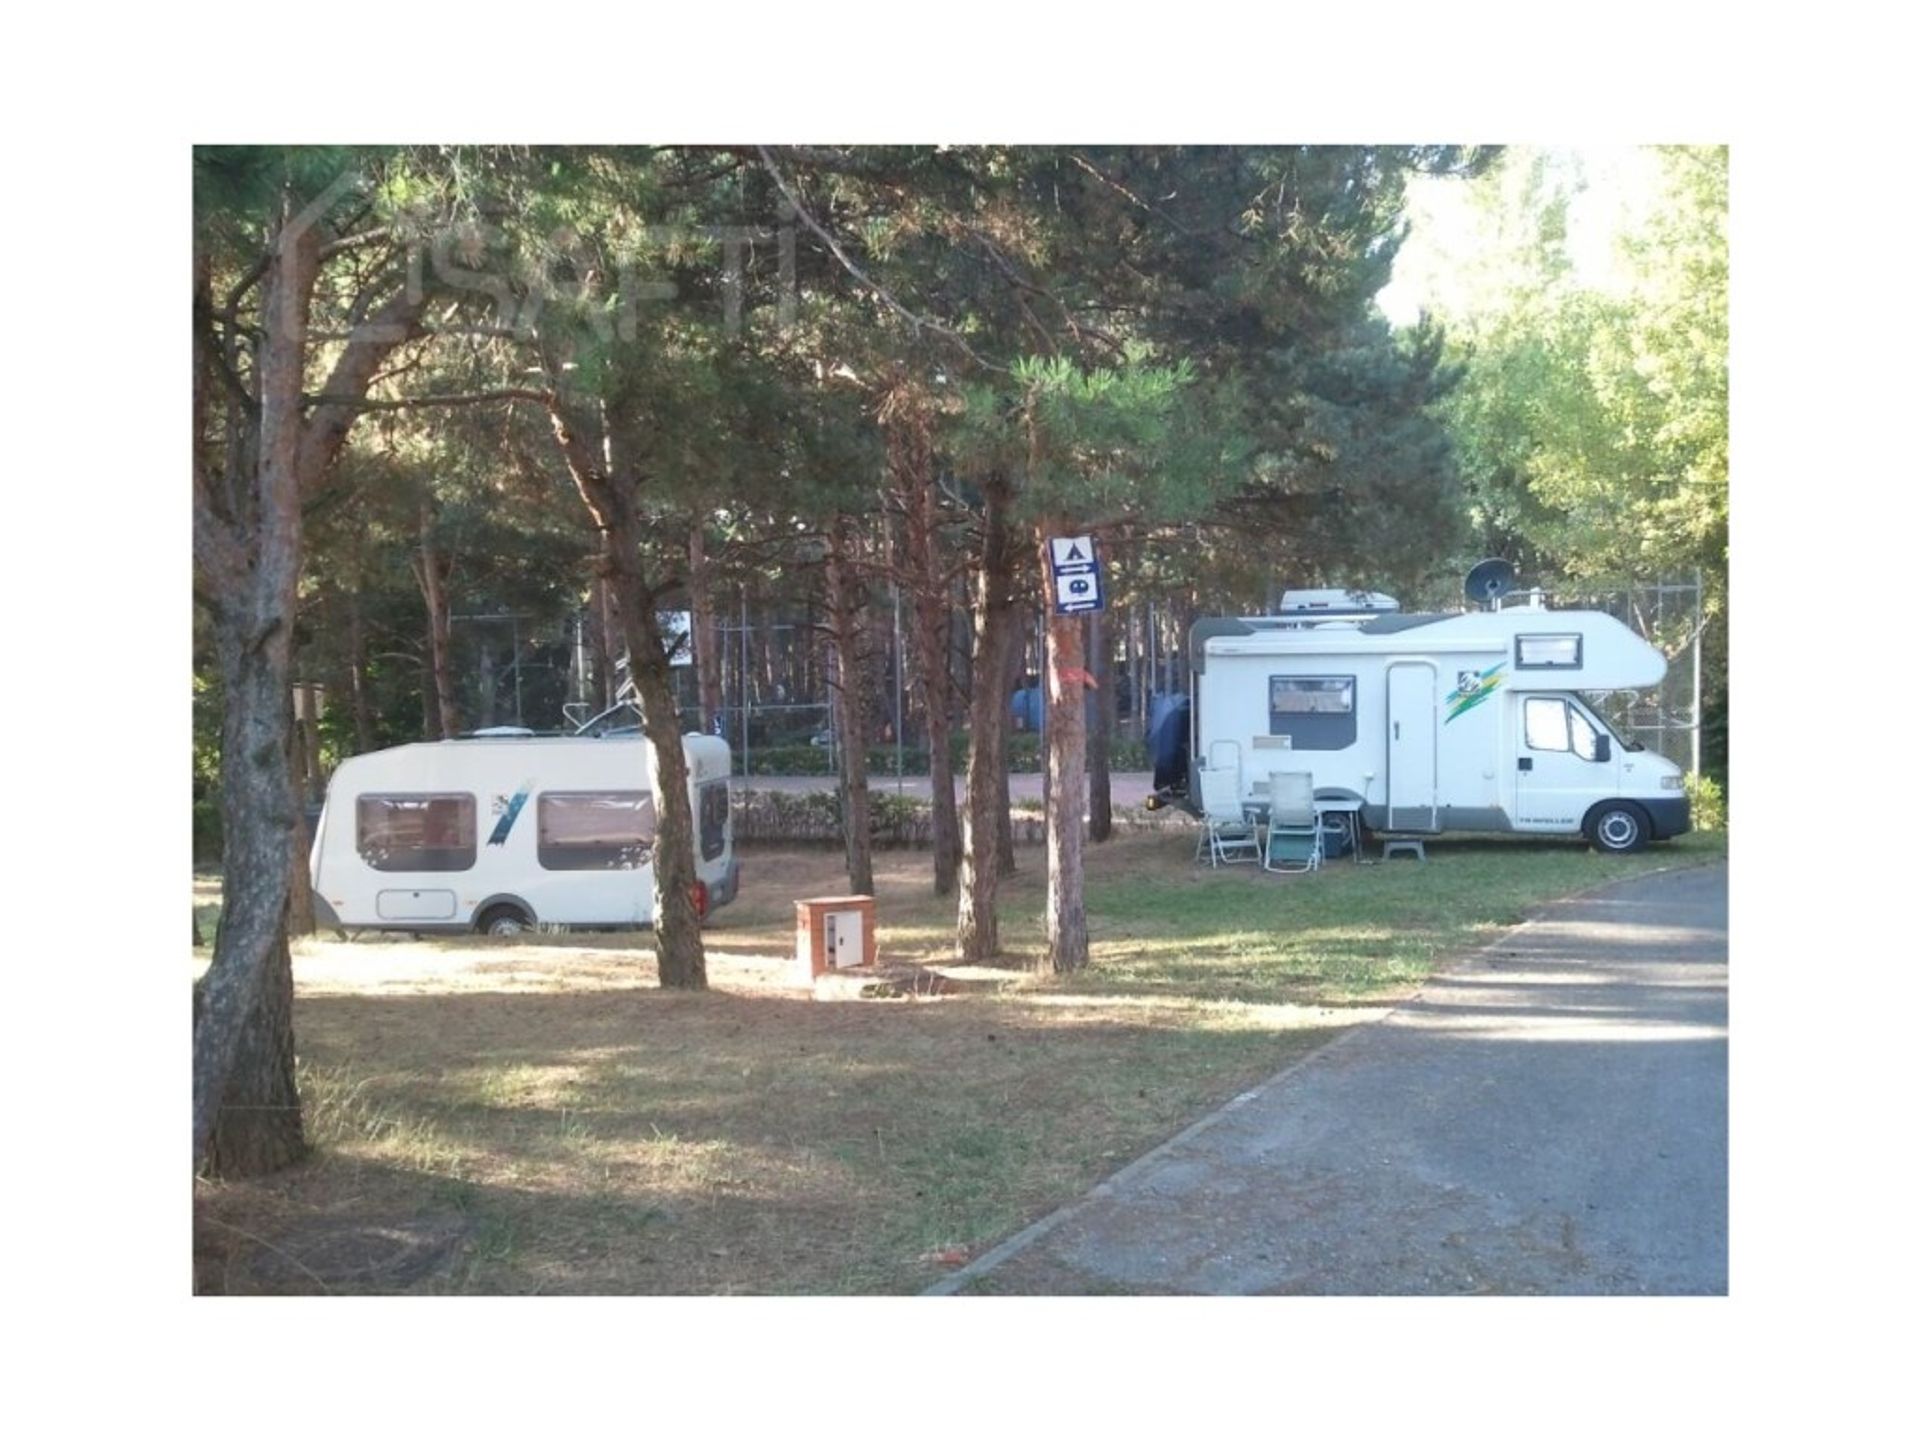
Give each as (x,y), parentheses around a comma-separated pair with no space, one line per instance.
(1489,580)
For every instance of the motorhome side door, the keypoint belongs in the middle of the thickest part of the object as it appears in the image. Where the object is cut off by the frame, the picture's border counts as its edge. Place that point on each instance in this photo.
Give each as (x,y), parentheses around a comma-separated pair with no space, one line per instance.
(1413,745)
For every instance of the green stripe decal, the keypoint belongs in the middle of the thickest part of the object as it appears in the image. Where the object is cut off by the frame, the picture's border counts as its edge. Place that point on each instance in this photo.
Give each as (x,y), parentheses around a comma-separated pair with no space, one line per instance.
(1473,688)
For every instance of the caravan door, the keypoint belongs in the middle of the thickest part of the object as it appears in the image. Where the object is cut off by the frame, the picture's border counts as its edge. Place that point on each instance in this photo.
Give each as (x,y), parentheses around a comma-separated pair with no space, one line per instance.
(1413,745)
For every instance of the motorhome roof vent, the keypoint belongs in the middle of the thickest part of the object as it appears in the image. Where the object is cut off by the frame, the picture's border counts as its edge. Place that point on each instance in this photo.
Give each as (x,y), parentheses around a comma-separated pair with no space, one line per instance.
(1337,601)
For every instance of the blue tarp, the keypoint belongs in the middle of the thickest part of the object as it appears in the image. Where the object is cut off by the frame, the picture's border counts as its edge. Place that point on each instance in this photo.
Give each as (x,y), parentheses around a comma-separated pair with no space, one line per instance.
(1167,739)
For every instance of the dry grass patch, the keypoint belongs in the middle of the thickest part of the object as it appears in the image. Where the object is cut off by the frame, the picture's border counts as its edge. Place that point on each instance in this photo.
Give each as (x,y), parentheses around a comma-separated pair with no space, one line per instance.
(536,1116)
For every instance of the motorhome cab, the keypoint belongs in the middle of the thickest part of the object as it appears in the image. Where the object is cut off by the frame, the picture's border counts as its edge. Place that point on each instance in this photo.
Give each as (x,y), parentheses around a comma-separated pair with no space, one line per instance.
(1436,723)
(502,833)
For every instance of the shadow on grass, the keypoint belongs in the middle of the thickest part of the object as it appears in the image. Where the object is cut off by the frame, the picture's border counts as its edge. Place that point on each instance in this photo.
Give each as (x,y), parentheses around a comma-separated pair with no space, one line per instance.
(640,1142)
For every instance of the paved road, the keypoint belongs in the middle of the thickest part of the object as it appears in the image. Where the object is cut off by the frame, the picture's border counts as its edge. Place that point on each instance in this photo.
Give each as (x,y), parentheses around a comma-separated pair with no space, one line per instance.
(1548,1118)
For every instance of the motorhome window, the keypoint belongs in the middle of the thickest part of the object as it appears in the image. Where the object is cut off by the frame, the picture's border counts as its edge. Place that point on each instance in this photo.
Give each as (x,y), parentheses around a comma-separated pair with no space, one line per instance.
(1613,712)
(713,820)
(415,832)
(1546,652)
(1585,738)
(1547,725)
(1315,712)
(595,829)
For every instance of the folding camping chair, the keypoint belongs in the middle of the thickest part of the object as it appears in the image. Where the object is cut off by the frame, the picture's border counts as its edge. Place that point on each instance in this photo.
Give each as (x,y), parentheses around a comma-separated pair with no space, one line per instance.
(1228,836)
(1294,837)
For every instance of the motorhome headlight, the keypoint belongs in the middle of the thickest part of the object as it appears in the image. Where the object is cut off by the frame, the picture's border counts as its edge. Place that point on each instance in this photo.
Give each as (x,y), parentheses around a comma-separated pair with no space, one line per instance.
(1673,782)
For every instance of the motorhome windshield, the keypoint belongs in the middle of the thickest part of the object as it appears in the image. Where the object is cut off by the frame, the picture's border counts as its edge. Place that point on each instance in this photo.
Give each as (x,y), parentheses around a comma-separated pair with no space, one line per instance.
(1596,704)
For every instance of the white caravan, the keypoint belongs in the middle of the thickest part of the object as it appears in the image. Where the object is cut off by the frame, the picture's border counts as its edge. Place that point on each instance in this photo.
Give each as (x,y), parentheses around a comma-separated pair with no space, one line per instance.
(1436,723)
(501,834)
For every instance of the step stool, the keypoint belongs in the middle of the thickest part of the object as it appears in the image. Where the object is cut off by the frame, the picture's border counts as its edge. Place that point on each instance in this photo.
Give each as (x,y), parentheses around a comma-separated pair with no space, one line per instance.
(1415,848)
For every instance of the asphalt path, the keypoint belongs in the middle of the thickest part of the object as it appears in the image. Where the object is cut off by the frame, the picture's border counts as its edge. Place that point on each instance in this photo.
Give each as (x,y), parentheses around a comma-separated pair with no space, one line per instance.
(1548,1117)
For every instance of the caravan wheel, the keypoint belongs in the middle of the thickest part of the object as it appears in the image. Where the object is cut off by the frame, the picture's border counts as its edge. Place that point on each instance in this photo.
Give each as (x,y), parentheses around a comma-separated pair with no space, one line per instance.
(1619,827)
(504,921)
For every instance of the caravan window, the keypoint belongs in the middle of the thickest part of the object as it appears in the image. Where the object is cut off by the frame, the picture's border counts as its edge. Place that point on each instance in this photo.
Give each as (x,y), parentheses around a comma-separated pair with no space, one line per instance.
(1315,712)
(713,820)
(1546,652)
(415,832)
(595,829)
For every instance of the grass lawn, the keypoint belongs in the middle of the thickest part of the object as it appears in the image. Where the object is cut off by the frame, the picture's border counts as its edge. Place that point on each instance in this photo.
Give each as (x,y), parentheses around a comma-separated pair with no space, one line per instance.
(535,1116)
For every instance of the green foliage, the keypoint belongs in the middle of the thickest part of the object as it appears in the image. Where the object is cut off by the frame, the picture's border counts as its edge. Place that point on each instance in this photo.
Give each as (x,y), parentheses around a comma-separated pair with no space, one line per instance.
(1592,425)
(1709,799)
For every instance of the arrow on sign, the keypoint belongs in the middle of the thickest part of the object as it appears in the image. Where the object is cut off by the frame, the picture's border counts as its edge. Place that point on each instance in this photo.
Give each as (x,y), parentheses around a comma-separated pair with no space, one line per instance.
(1072,552)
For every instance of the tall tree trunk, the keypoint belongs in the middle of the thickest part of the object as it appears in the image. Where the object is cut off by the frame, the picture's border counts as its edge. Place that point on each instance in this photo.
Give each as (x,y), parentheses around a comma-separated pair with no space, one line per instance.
(1016,669)
(316,766)
(600,630)
(258,1128)
(910,466)
(706,635)
(845,600)
(680,953)
(357,681)
(1100,735)
(299,878)
(247,538)
(433,569)
(251,565)
(489,682)
(1066,781)
(610,492)
(237,1014)
(995,618)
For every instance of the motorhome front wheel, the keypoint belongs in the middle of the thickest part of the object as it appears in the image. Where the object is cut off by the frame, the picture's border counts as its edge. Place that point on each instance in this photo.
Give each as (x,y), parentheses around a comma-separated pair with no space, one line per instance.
(1619,828)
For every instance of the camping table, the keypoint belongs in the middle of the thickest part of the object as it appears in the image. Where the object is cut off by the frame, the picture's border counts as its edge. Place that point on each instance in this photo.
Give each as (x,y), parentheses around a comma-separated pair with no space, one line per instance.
(1348,808)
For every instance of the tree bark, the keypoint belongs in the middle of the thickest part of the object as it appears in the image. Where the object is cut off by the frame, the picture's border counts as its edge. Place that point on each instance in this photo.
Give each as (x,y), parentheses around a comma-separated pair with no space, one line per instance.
(357,669)
(706,636)
(1016,668)
(984,847)
(600,628)
(250,563)
(1100,734)
(1066,781)
(299,877)
(910,466)
(258,1129)
(238,1011)
(316,767)
(680,953)
(845,600)
(610,490)
(489,682)
(247,541)
(433,570)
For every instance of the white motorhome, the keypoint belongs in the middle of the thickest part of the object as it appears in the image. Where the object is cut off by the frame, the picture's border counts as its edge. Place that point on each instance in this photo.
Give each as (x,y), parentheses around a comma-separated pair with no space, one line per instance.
(502,833)
(1431,723)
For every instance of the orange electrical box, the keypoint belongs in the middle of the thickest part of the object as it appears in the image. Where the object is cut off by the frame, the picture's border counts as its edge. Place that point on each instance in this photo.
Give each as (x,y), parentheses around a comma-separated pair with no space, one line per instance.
(834,933)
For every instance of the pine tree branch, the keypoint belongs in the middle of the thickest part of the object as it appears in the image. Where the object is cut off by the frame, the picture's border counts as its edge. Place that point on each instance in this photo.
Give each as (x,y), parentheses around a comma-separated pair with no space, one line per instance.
(543,398)
(918,322)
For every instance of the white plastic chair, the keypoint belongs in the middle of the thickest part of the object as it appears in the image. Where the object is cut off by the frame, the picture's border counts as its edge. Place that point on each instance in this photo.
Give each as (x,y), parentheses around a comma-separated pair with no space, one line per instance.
(1294,840)
(1229,838)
